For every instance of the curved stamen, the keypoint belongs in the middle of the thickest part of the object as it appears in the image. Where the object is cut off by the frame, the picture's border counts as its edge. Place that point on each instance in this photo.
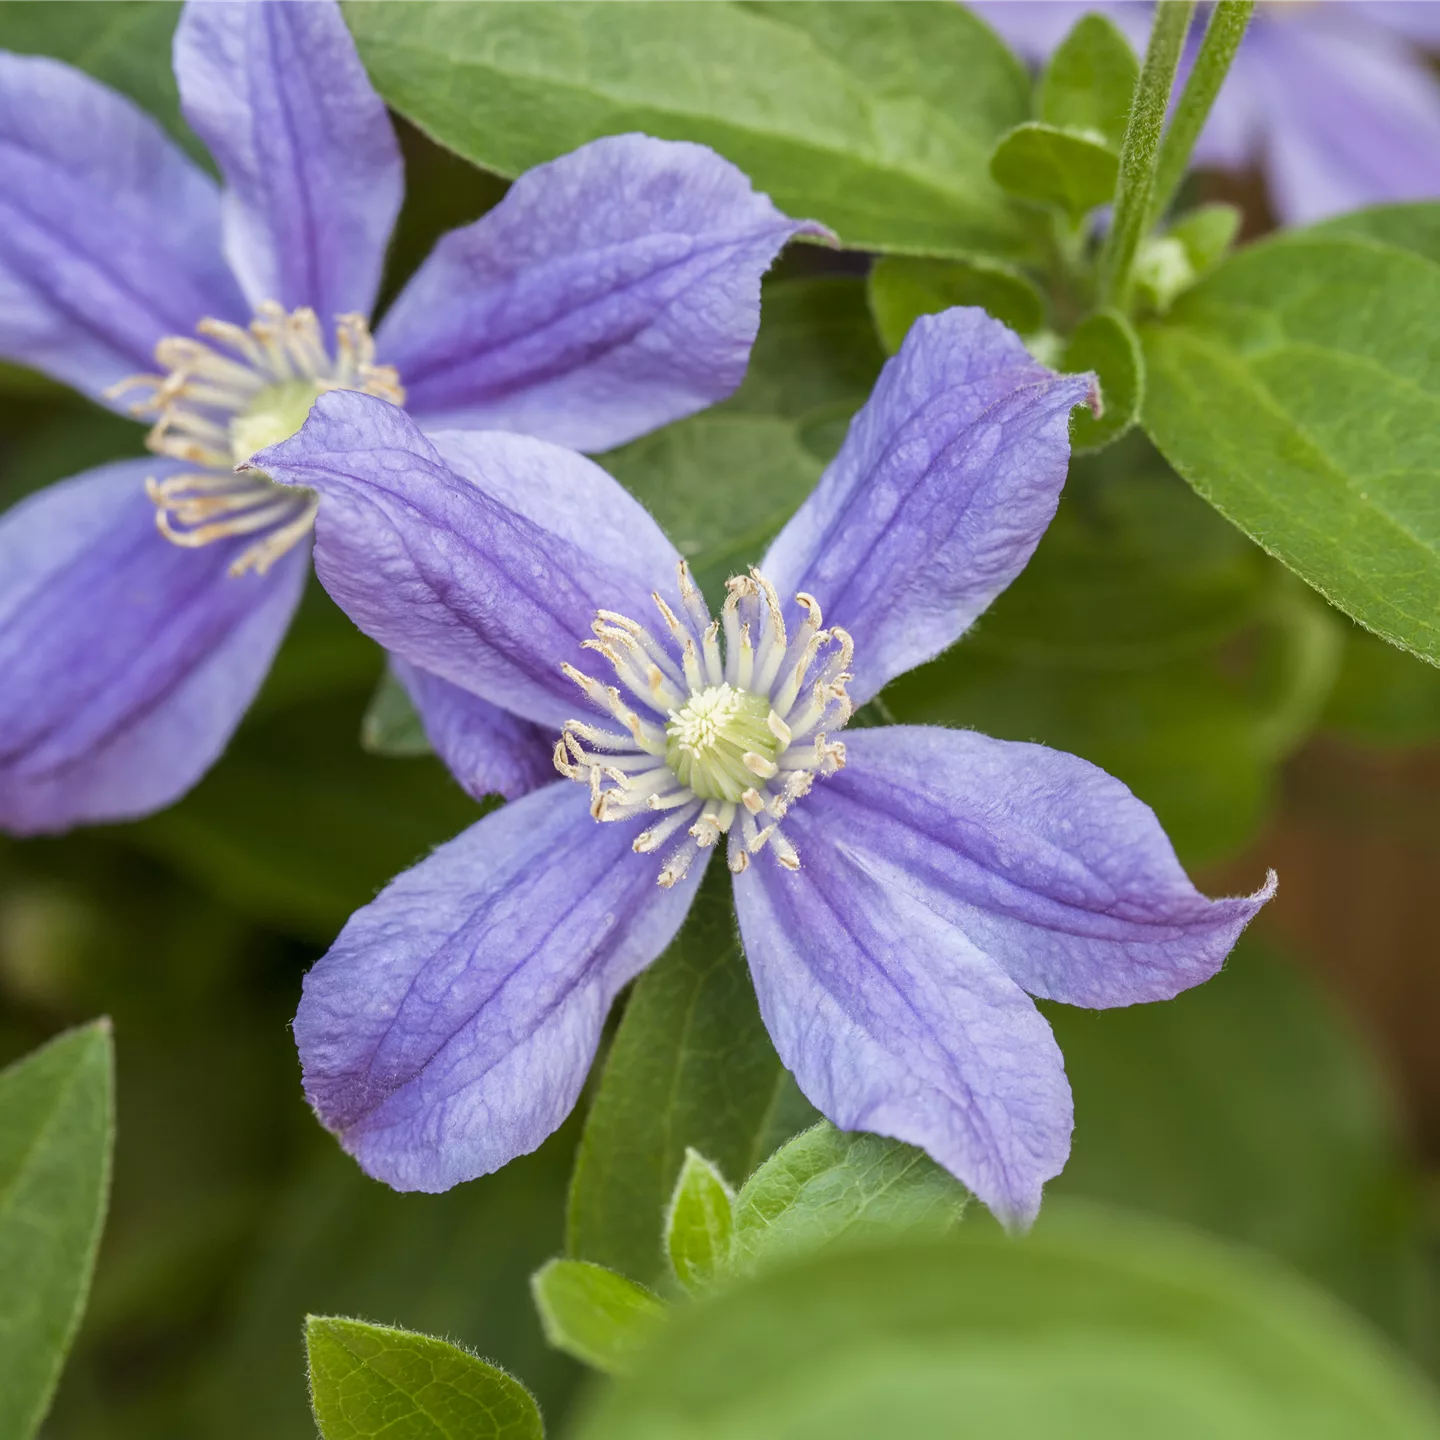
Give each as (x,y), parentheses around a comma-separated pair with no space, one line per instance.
(215,410)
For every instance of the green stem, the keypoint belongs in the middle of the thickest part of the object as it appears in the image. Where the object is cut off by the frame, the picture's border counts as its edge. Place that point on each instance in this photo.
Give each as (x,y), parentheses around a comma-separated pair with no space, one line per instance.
(1140,147)
(1222,39)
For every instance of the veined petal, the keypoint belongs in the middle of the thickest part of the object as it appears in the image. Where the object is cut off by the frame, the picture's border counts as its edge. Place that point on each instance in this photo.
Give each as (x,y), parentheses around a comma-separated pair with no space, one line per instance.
(1353,118)
(128,661)
(612,291)
(481,557)
(450,1027)
(109,236)
(1048,866)
(312,168)
(489,750)
(892,1021)
(945,483)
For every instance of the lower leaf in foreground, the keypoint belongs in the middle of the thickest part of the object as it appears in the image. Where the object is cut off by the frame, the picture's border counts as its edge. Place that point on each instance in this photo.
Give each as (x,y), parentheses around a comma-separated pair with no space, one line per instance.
(1091,1326)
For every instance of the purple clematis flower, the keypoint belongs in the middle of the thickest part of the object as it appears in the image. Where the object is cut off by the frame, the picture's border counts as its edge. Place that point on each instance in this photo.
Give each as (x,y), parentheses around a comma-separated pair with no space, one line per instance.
(1334,101)
(612,291)
(902,892)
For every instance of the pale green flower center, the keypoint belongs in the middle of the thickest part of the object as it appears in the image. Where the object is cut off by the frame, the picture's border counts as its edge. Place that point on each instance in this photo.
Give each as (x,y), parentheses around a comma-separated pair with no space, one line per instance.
(709,736)
(275,414)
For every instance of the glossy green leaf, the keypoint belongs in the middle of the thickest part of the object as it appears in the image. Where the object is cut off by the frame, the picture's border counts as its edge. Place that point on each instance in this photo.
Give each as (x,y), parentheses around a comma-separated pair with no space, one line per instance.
(699,1224)
(1051,166)
(124,43)
(690,1066)
(1298,390)
(828,1187)
(391,725)
(1248,1106)
(595,1314)
(56,1133)
(876,119)
(903,288)
(1099,1327)
(371,1381)
(1107,345)
(1089,81)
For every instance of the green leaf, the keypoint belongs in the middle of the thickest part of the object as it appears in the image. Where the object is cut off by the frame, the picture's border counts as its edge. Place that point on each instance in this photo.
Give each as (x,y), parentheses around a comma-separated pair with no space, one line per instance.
(391,725)
(828,1186)
(1414,227)
(1089,81)
(699,1224)
(1090,1327)
(369,1381)
(1106,344)
(595,1314)
(691,1066)
(1207,233)
(1251,1107)
(124,43)
(902,289)
(1298,390)
(56,1134)
(876,119)
(1052,166)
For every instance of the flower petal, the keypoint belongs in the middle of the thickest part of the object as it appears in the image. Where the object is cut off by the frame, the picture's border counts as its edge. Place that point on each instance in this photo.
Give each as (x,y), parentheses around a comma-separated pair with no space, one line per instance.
(450,1027)
(128,661)
(612,291)
(489,750)
(892,1021)
(109,236)
(313,168)
(1049,866)
(1353,119)
(939,495)
(481,557)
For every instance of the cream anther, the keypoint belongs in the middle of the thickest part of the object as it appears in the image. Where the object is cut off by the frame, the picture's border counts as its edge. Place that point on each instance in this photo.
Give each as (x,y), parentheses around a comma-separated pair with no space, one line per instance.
(214,410)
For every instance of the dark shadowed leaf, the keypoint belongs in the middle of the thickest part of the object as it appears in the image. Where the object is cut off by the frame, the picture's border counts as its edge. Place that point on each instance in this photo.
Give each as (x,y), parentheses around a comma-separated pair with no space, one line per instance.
(903,288)
(56,1132)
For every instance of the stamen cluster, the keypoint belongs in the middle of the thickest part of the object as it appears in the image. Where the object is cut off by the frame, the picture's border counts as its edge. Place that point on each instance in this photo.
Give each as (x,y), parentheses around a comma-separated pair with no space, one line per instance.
(216,409)
(714,741)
